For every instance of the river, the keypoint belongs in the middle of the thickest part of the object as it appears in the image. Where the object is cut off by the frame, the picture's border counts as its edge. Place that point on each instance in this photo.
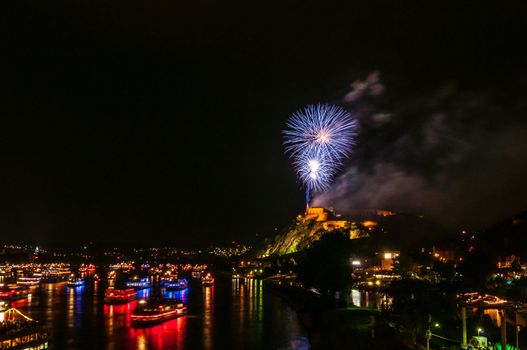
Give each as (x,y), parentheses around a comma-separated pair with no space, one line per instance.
(234,314)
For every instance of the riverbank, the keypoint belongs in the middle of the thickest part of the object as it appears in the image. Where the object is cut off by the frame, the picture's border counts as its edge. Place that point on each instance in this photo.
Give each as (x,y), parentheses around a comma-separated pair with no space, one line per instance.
(332,327)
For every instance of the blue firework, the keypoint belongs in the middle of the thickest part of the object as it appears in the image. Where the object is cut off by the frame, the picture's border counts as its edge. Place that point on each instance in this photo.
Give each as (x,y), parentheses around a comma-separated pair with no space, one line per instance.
(318,138)
(315,173)
(327,131)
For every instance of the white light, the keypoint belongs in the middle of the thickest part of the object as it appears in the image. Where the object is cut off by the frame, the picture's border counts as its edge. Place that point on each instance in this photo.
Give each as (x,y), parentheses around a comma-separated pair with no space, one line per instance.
(387,255)
(314,165)
(355,263)
(323,136)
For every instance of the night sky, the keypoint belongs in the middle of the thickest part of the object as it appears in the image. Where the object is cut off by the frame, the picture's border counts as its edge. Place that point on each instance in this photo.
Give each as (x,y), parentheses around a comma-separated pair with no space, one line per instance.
(159,122)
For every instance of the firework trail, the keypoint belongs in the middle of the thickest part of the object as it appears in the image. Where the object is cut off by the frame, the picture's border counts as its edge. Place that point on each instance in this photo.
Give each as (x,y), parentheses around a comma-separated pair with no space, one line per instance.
(318,138)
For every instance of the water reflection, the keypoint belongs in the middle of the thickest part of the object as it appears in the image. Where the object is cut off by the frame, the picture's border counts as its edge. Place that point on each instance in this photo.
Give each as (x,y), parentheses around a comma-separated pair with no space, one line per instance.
(177,294)
(143,293)
(369,299)
(208,316)
(167,335)
(230,314)
(118,317)
(494,315)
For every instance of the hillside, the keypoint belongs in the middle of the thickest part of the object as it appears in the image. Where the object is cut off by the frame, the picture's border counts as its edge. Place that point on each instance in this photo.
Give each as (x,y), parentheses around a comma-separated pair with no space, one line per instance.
(402,232)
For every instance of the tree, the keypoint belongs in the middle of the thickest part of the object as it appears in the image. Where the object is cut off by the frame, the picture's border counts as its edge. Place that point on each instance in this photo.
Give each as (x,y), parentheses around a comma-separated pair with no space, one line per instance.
(326,265)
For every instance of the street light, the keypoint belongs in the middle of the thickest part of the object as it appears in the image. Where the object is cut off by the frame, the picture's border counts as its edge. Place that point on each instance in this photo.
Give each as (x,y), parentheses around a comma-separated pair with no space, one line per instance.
(479,331)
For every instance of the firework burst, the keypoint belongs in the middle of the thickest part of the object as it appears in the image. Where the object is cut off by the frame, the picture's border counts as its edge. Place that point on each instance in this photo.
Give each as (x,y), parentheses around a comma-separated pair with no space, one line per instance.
(326,131)
(318,138)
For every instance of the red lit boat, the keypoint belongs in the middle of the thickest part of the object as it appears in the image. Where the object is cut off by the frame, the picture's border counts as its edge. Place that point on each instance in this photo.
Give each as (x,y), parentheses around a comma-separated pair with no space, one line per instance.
(13,292)
(148,313)
(119,296)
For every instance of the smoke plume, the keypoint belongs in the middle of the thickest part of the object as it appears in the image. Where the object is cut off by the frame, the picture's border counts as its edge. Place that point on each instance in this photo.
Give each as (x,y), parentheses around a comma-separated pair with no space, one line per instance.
(453,155)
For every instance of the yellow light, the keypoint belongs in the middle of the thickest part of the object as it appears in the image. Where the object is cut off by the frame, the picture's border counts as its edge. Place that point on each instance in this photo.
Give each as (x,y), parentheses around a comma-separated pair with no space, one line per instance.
(387,255)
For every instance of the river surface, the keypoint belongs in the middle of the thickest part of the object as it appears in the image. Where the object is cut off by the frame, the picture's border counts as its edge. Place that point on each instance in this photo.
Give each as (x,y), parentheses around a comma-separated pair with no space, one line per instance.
(234,314)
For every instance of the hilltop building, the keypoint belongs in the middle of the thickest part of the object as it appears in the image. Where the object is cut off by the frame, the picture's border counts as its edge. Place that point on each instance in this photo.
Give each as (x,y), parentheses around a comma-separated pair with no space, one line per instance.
(323,215)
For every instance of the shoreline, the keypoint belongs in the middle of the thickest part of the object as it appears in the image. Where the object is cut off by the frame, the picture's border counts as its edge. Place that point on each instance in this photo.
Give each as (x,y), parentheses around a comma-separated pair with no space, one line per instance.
(331,327)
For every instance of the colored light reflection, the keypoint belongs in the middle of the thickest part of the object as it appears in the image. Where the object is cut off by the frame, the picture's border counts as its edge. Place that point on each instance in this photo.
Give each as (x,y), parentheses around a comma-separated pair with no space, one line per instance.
(179,294)
(143,293)
(167,335)
(118,316)
(208,316)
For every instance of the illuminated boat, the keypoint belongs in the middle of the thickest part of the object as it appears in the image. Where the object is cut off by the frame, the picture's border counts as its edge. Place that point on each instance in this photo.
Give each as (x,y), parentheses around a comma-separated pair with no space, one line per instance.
(207,280)
(12,292)
(119,296)
(54,275)
(112,275)
(74,282)
(89,268)
(17,331)
(3,306)
(28,281)
(138,283)
(174,284)
(148,313)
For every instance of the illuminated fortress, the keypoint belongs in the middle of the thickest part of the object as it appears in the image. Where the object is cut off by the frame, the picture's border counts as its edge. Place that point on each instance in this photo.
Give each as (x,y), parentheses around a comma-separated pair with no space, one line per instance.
(322,215)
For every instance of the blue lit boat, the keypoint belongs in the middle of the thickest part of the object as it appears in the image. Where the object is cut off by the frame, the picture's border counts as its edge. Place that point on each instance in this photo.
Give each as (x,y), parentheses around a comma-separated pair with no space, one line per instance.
(174,284)
(138,283)
(74,282)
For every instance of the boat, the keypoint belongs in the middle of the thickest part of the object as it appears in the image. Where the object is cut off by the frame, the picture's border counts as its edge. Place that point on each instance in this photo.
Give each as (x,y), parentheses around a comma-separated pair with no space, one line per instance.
(119,296)
(54,275)
(138,283)
(75,282)
(148,313)
(112,275)
(174,284)
(12,292)
(87,268)
(207,280)
(17,331)
(28,281)
(3,306)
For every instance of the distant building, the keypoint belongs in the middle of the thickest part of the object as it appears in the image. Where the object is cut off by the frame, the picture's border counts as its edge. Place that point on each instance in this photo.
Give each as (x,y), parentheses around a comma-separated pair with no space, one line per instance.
(505,263)
(445,255)
(387,259)
(322,215)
